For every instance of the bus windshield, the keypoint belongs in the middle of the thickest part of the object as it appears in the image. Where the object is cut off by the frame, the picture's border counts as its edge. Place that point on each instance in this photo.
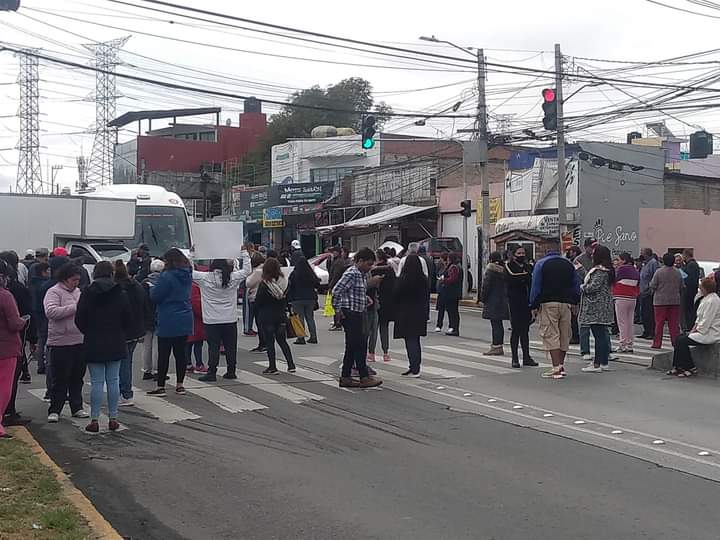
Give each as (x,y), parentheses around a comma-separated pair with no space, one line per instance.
(161,228)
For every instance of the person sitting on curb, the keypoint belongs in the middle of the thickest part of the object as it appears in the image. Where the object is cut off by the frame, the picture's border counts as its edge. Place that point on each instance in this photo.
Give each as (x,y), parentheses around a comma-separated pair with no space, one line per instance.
(705,332)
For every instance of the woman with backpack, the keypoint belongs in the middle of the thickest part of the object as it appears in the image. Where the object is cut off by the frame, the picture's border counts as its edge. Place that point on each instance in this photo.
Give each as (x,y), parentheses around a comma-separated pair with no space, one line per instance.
(105,317)
(171,295)
(135,333)
(271,303)
(219,288)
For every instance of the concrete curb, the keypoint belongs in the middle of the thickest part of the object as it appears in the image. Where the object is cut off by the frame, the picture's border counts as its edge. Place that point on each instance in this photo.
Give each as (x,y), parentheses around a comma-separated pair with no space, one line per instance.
(99,525)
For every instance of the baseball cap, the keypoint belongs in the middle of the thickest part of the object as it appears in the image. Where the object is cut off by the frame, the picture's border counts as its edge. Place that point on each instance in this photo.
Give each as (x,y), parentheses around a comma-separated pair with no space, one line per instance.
(30,252)
(295,244)
(60,252)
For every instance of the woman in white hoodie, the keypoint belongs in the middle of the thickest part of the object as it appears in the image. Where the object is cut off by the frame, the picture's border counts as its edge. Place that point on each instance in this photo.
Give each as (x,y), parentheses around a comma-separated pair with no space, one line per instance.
(219,288)
(705,332)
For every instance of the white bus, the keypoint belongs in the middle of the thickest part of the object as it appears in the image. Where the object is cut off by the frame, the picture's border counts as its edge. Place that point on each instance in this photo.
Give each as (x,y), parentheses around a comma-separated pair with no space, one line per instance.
(161,220)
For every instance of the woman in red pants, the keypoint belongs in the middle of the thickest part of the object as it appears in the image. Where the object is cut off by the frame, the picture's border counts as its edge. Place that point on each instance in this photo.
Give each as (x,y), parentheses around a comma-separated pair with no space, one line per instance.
(11,324)
(667,286)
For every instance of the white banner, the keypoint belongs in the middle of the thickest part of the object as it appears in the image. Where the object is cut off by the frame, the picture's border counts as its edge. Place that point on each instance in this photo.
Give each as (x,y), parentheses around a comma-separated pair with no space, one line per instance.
(217,240)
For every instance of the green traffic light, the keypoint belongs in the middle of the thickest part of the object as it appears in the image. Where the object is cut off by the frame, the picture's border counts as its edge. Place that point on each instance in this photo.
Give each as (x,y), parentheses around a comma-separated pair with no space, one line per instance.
(367,144)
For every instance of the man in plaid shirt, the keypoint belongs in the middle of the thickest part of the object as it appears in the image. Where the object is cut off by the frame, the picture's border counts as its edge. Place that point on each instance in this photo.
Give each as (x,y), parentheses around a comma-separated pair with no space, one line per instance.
(350,300)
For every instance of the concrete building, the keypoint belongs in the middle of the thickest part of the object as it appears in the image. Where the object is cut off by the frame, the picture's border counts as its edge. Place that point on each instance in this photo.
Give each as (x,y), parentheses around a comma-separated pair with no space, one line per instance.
(189,159)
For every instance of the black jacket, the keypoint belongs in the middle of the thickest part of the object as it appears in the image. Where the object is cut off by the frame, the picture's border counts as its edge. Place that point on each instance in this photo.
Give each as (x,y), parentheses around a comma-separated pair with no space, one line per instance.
(139,268)
(24,303)
(295,256)
(410,308)
(519,281)
(270,310)
(302,287)
(386,293)
(104,317)
(493,294)
(138,306)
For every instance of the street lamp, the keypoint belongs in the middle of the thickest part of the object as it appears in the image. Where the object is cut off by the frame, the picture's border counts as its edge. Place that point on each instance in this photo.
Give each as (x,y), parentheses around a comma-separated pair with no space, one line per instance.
(481,119)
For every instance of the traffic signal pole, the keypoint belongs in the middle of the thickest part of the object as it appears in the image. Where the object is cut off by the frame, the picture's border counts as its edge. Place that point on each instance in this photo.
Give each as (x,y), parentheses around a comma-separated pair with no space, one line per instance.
(484,178)
(562,204)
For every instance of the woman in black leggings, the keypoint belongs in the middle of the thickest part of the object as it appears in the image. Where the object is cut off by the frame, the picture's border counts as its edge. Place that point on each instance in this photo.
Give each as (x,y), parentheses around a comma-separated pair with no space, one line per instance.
(171,296)
(518,274)
(271,306)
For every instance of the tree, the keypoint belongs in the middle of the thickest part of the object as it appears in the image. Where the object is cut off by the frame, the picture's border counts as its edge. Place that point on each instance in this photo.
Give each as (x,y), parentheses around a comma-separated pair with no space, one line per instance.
(339,105)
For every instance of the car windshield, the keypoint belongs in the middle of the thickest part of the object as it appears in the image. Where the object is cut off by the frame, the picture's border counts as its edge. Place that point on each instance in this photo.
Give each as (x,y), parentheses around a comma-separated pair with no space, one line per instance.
(161,228)
(111,252)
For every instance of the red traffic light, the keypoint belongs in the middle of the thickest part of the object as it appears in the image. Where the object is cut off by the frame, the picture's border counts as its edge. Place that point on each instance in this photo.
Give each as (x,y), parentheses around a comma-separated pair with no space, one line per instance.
(548,95)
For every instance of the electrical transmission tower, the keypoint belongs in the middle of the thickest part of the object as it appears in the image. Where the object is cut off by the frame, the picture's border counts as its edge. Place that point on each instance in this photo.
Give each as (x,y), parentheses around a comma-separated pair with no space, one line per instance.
(29,173)
(100,168)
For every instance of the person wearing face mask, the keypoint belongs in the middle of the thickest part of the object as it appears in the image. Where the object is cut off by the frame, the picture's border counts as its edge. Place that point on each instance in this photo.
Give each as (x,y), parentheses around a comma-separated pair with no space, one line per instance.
(66,344)
(518,275)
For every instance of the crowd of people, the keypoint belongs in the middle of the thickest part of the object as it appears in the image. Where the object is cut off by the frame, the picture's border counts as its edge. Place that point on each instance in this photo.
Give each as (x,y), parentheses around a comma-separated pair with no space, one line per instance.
(70,323)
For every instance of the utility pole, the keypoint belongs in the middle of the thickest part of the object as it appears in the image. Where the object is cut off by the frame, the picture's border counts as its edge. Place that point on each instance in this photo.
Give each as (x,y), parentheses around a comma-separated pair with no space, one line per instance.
(484,178)
(562,206)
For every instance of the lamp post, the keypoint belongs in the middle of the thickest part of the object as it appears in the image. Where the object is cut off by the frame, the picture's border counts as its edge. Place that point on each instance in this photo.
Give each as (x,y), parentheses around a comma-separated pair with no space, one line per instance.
(482,139)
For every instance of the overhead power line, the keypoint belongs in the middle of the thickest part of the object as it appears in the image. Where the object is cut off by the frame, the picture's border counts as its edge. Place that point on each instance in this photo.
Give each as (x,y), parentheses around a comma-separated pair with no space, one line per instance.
(683,9)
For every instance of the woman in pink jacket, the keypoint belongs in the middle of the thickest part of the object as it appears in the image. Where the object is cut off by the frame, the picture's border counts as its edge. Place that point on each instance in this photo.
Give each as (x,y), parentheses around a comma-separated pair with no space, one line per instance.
(66,344)
(10,344)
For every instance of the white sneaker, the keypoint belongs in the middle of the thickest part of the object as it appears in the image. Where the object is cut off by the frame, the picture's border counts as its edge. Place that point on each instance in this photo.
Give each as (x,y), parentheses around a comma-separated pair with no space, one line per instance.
(126,402)
(587,357)
(613,357)
(438,329)
(591,368)
(607,368)
(53,418)
(81,414)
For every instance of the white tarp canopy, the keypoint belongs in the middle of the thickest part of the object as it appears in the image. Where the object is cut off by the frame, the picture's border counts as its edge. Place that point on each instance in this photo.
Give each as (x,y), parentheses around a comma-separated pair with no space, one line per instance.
(391,214)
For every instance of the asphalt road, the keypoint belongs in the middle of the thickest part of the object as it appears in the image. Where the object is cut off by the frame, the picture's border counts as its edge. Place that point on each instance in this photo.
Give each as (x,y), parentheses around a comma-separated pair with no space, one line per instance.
(311,461)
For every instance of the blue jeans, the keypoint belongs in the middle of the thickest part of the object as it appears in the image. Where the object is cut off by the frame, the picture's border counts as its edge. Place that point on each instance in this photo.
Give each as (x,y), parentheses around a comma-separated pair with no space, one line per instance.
(584,340)
(101,375)
(601,333)
(126,372)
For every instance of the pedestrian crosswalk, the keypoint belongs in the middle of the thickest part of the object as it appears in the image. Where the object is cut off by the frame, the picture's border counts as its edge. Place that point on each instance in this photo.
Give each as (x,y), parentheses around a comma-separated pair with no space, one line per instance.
(315,381)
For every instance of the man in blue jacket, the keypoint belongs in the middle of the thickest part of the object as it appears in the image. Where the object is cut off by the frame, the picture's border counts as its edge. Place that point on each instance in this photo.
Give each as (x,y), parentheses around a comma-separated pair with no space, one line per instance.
(554,295)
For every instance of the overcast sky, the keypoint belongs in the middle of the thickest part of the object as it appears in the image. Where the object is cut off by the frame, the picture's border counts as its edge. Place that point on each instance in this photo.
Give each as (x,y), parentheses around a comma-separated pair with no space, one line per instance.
(516,32)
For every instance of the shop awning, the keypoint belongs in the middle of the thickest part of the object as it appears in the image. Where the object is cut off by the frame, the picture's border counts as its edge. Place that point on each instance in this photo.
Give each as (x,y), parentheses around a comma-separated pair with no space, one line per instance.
(386,216)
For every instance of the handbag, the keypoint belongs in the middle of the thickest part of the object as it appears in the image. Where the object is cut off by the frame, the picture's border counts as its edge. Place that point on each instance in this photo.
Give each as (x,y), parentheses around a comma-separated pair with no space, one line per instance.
(329,311)
(296,328)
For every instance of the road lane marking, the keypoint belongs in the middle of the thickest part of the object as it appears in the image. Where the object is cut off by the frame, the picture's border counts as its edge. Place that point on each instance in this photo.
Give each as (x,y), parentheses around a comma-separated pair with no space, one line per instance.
(163,410)
(224,399)
(284,391)
(475,354)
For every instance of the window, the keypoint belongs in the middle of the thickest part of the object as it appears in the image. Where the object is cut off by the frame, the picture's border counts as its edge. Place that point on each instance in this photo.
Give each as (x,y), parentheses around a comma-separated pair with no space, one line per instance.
(208,136)
(331,174)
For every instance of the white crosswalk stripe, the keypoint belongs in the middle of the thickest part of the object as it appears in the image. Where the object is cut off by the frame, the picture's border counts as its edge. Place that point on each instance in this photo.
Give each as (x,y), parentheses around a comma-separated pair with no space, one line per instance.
(323,360)
(474,354)
(315,376)
(79,423)
(281,390)
(574,349)
(226,400)
(161,409)
(427,370)
(466,363)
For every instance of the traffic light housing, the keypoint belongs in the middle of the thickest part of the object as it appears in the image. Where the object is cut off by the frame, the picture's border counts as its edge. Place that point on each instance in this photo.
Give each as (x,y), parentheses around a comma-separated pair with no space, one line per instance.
(368,132)
(550,120)
(466,208)
(9,5)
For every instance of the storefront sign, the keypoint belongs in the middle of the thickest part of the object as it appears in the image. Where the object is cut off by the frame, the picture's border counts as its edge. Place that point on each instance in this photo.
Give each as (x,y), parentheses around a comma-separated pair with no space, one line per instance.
(272,218)
(496,210)
(258,202)
(292,194)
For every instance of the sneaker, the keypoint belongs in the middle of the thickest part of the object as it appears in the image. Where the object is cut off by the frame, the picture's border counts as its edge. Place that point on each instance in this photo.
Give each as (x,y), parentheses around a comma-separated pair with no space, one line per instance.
(438,329)
(126,402)
(410,375)
(370,382)
(554,374)
(592,368)
(313,341)
(93,427)
(270,371)
(292,369)
(201,369)
(495,350)
(180,390)
(158,392)
(613,357)
(25,379)
(386,357)
(371,357)
(258,350)
(46,397)
(530,363)
(452,333)
(349,382)
(208,377)
(113,425)
(53,418)
(148,376)
(299,341)
(190,369)
(81,414)
(587,357)
(230,375)
(607,368)
(251,333)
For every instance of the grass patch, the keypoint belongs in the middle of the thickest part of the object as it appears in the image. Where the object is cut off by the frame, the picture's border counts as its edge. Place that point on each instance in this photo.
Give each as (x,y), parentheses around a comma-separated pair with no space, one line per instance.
(32,505)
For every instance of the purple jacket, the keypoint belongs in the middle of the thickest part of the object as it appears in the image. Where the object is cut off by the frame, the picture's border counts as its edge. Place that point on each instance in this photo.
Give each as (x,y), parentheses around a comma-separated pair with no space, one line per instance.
(60,307)
(10,326)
